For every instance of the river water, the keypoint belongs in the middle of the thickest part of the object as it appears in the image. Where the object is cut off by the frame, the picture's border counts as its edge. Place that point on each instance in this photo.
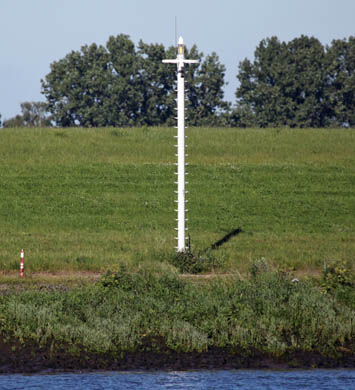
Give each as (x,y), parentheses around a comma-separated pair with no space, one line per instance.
(221,380)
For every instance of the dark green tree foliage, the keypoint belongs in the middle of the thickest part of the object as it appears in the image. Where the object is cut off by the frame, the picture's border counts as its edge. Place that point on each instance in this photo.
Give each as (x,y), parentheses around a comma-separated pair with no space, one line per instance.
(119,85)
(34,114)
(341,73)
(156,85)
(285,85)
(76,87)
(125,97)
(300,83)
(205,83)
(308,91)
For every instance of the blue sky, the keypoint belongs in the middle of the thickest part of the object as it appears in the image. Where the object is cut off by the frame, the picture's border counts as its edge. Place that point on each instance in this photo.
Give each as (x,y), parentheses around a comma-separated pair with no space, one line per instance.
(35,33)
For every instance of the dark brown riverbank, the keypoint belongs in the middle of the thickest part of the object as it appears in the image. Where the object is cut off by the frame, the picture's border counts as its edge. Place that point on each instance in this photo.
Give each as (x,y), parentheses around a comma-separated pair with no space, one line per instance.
(32,359)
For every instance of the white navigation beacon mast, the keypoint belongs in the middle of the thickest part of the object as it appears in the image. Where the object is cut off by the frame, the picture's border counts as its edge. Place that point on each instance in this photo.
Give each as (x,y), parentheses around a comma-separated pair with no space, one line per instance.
(180,61)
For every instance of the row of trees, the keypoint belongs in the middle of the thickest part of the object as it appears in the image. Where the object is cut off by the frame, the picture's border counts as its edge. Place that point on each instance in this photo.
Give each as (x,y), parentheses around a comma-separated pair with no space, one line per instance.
(121,85)
(300,83)
(34,114)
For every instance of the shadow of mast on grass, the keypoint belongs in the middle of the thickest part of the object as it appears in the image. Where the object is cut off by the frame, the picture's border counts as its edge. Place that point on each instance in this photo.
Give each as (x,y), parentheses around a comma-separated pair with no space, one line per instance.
(226,238)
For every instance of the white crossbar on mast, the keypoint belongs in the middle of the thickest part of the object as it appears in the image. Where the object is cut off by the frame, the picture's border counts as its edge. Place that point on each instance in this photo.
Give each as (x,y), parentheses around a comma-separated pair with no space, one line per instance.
(180,61)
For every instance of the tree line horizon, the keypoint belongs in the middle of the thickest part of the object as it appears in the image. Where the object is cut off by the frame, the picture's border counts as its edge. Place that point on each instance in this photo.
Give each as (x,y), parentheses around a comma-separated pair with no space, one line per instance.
(300,83)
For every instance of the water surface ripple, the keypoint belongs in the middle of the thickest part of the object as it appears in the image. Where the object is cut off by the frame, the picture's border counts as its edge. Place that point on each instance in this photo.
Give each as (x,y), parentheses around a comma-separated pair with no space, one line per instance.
(243,379)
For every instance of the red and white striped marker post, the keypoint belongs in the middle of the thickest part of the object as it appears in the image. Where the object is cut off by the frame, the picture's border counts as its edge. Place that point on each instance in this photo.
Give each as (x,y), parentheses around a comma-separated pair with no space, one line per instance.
(22,263)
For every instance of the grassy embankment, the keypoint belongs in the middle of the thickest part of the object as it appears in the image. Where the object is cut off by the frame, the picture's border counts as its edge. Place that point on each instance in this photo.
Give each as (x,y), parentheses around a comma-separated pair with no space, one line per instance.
(102,200)
(94,199)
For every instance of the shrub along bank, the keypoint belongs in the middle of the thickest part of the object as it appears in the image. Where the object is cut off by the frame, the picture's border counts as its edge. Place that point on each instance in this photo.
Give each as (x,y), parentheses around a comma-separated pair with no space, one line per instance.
(145,320)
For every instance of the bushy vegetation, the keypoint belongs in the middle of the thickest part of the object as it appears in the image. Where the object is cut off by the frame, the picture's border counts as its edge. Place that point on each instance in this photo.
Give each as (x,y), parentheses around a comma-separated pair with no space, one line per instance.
(267,313)
(338,279)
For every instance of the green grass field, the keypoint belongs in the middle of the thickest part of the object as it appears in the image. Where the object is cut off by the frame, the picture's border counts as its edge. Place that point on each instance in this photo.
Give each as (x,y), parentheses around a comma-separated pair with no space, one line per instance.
(96,199)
